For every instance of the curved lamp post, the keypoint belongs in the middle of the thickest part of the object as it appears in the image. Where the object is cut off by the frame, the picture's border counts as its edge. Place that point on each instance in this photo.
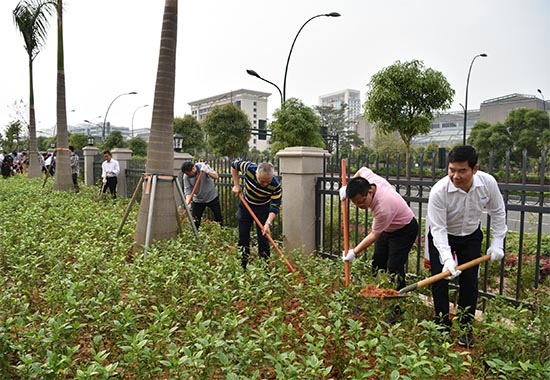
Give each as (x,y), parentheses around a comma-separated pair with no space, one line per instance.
(255,74)
(332,14)
(134,114)
(543,101)
(106,113)
(466,101)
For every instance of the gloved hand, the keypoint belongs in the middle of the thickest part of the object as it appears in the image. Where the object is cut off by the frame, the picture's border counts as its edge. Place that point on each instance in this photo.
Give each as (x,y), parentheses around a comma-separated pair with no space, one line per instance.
(349,256)
(104,180)
(342,193)
(206,169)
(450,265)
(496,253)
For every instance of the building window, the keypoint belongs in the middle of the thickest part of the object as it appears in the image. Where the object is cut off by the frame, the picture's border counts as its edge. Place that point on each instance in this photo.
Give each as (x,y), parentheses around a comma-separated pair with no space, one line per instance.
(254,109)
(254,103)
(237,103)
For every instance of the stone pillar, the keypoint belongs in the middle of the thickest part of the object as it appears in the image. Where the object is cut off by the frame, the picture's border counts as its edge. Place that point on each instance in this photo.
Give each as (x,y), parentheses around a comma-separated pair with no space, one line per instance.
(89,153)
(178,161)
(299,167)
(123,156)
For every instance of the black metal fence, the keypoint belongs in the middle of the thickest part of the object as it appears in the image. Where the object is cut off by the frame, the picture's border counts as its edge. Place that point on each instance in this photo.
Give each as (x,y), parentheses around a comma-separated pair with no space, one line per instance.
(527,261)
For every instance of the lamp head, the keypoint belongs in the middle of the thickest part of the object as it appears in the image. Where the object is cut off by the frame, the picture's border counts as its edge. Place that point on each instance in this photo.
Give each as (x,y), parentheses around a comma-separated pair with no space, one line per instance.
(539,91)
(253,73)
(483,55)
(132,93)
(333,14)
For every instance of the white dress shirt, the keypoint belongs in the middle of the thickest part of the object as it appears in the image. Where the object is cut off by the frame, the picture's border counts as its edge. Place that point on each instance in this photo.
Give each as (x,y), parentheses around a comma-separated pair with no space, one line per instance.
(455,212)
(110,168)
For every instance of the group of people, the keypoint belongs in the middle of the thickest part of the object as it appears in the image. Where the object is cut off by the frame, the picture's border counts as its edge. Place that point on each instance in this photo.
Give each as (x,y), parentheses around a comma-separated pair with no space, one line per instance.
(453,226)
(12,164)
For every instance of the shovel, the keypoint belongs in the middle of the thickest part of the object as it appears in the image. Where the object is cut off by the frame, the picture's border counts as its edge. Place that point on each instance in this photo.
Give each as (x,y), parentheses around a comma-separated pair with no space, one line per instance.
(191,196)
(346,225)
(442,275)
(268,236)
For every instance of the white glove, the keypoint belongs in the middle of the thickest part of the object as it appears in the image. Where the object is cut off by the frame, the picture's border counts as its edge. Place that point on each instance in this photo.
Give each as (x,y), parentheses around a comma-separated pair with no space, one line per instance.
(205,168)
(496,253)
(349,256)
(450,265)
(104,180)
(343,193)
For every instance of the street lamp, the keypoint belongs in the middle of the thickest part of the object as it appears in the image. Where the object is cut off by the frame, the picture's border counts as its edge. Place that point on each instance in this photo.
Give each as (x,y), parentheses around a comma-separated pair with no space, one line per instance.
(106,113)
(466,101)
(178,142)
(332,14)
(91,140)
(134,114)
(543,101)
(255,74)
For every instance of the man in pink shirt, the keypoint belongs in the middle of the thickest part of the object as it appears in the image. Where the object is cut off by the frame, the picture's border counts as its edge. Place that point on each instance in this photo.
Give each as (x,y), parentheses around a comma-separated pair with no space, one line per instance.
(394,228)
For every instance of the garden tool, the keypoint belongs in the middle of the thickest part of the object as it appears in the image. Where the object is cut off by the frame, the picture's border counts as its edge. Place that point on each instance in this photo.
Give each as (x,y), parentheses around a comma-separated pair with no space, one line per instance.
(442,275)
(183,212)
(346,224)
(245,203)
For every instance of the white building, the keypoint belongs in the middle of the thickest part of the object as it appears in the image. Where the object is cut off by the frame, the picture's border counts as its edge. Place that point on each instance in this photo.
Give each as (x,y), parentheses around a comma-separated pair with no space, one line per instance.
(350,97)
(252,103)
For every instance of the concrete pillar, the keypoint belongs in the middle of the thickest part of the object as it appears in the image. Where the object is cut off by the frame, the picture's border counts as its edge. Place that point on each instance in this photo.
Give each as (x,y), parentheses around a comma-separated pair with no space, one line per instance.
(89,153)
(299,167)
(123,156)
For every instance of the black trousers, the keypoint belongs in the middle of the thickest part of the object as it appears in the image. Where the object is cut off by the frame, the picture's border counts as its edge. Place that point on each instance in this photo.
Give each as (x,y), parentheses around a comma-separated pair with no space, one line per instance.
(391,251)
(111,185)
(467,248)
(198,210)
(245,225)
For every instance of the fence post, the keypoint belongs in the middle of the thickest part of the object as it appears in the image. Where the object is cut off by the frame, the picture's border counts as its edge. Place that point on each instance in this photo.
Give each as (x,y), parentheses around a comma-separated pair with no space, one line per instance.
(89,152)
(299,167)
(123,156)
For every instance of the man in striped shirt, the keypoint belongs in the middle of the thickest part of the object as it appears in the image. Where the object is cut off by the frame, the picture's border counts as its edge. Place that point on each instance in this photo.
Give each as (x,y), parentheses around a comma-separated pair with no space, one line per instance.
(263,193)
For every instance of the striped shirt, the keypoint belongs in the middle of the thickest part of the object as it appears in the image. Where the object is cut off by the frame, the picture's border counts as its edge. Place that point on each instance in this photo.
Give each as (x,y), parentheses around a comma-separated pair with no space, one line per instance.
(256,194)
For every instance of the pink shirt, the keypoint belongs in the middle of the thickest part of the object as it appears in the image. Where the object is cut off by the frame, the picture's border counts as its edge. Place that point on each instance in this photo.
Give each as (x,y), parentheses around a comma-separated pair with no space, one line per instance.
(389,209)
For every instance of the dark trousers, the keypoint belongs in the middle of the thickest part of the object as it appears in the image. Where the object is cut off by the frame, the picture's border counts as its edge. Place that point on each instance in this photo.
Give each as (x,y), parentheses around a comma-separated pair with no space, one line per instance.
(245,225)
(391,251)
(75,180)
(111,185)
(467,248)
(198,210)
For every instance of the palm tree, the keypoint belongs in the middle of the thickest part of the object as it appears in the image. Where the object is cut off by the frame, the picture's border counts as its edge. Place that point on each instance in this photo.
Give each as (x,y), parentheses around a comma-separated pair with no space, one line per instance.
(31,18)
(63,176)
(160,155)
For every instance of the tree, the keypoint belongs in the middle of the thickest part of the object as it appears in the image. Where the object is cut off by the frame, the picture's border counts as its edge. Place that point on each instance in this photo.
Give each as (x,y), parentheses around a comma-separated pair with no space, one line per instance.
(334,122)
(529,130)
(138,146)
(487,138)
(160,153)
(114,140)
(63,173)
(13,135)
(193,136)
(78,140)
(403,98)
(296,125)
(228,129)
(31,18)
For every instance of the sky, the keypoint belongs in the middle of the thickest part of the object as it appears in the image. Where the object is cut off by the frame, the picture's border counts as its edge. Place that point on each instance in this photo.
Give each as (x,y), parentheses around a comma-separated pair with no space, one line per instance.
(111,47)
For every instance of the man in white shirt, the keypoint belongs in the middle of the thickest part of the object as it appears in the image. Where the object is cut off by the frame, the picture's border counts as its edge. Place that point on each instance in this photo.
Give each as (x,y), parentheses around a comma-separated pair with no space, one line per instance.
(110,169)
(453,223)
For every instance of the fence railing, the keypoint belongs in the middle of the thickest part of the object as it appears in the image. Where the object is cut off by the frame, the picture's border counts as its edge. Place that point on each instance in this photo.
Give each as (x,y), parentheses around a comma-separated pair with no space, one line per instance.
(527,248)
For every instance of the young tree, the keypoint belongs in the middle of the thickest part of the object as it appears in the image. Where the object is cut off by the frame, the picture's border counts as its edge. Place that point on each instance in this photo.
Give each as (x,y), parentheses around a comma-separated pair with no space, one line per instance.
(334,122)
(487,138)
(63,173)
(228,129)
(529,130)
(296,125)
(31,18)
(193,136)
(403,98)
(160,153)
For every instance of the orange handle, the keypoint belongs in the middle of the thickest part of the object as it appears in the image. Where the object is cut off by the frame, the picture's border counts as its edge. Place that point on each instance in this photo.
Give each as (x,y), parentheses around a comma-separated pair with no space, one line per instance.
(245,203)
(345,223)
(195,187)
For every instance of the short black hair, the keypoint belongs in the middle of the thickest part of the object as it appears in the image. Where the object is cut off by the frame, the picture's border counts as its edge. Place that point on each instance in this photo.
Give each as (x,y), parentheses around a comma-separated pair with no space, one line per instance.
(463,153)
(71,148)
(187,166)
(357,185)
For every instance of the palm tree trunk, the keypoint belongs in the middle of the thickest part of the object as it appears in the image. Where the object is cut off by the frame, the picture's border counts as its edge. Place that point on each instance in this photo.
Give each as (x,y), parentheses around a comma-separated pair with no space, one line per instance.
(63,175)
(34,160)
(160,154)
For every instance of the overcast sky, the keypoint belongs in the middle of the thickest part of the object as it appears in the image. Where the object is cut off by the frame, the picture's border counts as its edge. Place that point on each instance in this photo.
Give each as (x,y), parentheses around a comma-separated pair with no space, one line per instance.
(111,47)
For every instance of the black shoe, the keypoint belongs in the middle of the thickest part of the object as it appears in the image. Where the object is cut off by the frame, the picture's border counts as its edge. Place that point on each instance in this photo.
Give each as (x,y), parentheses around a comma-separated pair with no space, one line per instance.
(466,340)
(394,316)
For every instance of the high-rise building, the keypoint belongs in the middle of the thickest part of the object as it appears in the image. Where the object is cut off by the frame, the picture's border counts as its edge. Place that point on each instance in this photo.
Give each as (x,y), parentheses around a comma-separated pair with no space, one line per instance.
(252,103)
(352,98)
